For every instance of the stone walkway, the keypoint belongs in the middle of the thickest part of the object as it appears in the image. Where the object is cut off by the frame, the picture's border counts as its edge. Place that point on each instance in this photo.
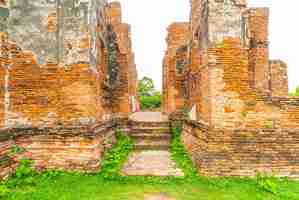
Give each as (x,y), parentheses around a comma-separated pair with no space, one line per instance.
(149,117)
(151,163)
(151,157)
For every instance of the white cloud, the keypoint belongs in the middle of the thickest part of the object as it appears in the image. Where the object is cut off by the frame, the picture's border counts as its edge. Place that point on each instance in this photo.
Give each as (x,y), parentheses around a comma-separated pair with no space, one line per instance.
(149,20)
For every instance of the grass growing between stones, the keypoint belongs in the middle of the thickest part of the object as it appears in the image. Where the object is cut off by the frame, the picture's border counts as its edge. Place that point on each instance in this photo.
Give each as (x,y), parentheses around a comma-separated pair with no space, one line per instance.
(110,185)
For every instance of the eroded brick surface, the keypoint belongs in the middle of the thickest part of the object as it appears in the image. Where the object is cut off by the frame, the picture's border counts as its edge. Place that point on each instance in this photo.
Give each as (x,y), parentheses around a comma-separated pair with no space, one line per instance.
(66,71)
(243,122)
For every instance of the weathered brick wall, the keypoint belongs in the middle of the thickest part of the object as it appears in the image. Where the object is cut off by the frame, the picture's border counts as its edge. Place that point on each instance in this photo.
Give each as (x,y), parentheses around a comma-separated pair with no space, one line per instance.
(79,148)
(242,152)
(279,84)
(174,66)
(3,73)
(66,83)
(52,57)
(195,137)
(224,20)
(7,163)
(256,22)
(235,103)
(125,90)
(72,148)
(243,122)
(57,89)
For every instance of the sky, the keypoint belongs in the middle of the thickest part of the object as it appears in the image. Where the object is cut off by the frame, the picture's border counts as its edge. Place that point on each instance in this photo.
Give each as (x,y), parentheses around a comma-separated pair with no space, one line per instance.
(149,20)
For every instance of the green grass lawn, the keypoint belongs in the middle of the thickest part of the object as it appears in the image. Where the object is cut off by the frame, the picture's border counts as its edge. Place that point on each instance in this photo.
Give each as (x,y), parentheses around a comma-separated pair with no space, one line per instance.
(82,187)
(109,185)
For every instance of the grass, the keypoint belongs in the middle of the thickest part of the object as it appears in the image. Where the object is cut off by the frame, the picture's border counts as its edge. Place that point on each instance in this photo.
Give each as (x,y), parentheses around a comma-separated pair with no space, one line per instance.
(109,185)
(73,187)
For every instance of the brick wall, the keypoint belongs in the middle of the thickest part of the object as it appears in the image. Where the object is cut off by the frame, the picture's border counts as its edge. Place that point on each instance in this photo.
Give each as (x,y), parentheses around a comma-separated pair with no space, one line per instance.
(279,82)
(79,148)
(57,97)
(257,31)
(7,162)
(125,90)
(243,122)
(174,67)
(242,152)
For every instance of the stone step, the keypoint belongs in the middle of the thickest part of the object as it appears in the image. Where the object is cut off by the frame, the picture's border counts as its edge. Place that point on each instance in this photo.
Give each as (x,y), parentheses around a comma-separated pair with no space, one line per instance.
(146,136)
(149,124)
(152,145)
(150,130)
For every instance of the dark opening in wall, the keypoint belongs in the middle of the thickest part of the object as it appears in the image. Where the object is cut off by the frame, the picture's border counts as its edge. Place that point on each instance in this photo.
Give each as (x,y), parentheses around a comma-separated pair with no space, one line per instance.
(113,64)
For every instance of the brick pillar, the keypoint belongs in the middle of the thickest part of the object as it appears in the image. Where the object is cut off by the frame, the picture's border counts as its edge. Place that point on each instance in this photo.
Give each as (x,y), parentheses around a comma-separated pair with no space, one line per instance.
(279,83)
(258,21)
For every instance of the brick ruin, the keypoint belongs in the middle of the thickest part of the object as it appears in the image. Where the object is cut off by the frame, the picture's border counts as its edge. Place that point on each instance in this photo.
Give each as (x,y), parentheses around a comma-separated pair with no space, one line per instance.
(68,81)
(217,69)
(67,72)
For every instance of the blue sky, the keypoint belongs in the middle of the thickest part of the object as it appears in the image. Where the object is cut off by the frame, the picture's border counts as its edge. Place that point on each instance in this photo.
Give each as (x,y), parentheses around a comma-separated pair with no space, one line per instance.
(150,18)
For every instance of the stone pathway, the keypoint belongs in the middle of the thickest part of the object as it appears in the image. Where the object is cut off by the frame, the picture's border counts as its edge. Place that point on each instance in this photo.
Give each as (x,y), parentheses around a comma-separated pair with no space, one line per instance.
(151,163)
(149,117)
(151,157)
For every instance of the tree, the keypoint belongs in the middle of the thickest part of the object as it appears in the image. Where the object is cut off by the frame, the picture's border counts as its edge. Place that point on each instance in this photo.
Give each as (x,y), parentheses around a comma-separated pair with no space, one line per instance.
(149,97)
(296,93)
(146,86)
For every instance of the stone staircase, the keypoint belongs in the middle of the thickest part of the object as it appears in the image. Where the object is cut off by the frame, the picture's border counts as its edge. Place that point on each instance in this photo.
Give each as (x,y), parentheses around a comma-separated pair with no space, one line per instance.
(151,156)
(151,135)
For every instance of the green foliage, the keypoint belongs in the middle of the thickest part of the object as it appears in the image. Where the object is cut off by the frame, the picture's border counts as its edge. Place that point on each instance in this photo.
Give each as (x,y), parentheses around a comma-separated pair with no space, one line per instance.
(149,97)
(24,174)
(4,190)
(267,183)
(25,169)
(51,174)
(180,156)
(296,92)
(16,150)
(150,102)
(114,159)
(146,86)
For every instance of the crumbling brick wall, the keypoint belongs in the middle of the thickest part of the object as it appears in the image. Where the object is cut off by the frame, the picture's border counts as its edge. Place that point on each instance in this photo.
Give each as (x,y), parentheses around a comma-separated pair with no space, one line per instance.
(242,152)
(125,88)
(279,85)
(58,97)
(174,65)
(241,120)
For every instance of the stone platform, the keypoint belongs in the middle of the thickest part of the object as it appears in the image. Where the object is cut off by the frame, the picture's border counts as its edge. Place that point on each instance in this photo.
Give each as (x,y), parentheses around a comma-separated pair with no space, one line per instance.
(151,163)
(149,117)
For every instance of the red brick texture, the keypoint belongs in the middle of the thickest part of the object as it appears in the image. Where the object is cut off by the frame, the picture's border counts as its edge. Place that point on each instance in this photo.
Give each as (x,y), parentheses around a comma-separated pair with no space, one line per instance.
(241,120)
(242,152)
(62,111)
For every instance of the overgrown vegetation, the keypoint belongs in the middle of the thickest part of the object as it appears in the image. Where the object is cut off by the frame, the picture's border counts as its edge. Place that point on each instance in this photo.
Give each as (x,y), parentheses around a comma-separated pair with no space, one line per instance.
(150,98)
(295,93)
(180,156)
(110,185)
(115,158)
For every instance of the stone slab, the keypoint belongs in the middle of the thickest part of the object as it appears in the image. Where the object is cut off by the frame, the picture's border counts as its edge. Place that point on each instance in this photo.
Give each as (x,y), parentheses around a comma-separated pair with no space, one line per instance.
(151,163)
(149,117)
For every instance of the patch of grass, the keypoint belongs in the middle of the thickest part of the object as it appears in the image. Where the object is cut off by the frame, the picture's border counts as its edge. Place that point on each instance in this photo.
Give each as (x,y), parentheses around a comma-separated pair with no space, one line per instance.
(180,156)
(115,158)
(110,185)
